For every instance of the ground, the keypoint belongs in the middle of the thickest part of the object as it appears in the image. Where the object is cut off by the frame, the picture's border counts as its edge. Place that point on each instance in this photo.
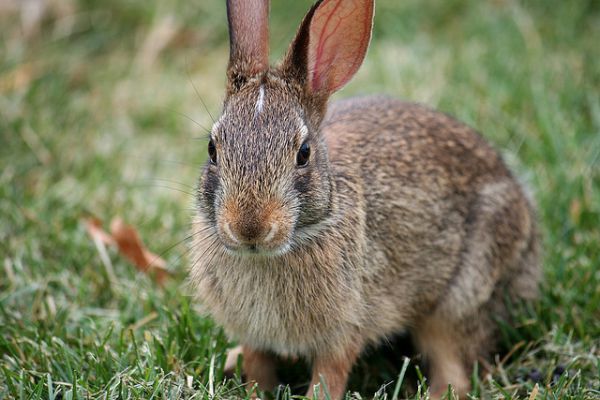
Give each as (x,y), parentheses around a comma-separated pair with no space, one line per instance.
(102,115)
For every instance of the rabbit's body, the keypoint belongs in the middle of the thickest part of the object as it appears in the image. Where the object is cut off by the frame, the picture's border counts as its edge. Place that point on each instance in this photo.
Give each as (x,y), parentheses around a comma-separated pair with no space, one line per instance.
(404,219)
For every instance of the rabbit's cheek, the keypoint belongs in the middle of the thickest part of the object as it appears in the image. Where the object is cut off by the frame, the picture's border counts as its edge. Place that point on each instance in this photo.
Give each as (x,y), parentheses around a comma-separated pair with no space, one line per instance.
(209,189)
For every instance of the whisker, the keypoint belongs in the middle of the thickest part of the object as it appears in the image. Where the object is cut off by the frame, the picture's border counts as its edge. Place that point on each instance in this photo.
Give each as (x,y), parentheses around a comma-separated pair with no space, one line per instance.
(167,161)
(183,253)
(198,94)
(210,248)
(204,137)
(191,119)
(171,247)
(154,185)
(175,182)
(177,162)
(203,230)
(186,252)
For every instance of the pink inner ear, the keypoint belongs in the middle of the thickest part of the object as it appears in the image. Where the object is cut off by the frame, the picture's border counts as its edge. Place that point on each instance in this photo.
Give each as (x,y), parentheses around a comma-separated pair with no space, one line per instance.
(339,36)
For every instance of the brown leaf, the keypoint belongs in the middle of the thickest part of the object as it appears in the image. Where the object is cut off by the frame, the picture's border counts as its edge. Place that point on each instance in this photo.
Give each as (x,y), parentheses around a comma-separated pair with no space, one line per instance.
(131,246)
(94,229)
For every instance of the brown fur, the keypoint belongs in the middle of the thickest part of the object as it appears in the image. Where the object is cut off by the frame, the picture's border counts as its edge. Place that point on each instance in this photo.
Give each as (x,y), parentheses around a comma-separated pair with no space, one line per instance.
(404,219)
(259,367)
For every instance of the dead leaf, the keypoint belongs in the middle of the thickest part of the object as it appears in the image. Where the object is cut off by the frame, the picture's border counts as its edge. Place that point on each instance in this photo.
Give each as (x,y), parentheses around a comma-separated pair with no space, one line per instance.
(94,228)
(101,240)
(130,245)
(534,392)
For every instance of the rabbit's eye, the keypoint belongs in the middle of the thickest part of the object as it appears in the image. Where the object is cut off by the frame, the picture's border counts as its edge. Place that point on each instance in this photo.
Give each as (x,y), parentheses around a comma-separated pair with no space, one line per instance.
(212,152)
(303,155)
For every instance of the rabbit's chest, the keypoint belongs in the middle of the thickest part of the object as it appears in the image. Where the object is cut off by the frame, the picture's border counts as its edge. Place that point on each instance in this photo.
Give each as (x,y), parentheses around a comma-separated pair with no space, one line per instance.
(288,308)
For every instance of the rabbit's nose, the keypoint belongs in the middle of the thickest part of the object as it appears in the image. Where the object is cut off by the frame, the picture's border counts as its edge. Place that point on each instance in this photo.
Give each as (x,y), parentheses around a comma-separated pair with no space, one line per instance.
(248,230)
(255,228)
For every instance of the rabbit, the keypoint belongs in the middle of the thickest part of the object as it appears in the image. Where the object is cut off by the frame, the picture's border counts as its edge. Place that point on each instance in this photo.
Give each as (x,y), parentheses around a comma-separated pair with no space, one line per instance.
(323,229)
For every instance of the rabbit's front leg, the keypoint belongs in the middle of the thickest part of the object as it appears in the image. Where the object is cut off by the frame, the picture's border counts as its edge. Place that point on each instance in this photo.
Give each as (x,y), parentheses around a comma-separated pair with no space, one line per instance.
(333,371)
(444,346)
(260,368)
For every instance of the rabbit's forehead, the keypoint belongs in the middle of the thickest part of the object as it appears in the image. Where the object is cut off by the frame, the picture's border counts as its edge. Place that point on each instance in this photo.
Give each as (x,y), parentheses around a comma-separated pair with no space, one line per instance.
(264,109)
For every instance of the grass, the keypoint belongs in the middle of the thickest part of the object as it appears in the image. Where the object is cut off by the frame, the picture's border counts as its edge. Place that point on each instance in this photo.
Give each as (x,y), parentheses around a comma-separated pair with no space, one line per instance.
(97,118)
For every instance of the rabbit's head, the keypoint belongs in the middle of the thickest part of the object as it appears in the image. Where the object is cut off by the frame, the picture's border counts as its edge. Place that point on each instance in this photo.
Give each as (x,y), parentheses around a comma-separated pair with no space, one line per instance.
(267,181)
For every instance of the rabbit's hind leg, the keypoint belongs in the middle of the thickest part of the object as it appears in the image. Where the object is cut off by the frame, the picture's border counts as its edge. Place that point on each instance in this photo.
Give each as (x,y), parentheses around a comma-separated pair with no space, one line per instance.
(461,328)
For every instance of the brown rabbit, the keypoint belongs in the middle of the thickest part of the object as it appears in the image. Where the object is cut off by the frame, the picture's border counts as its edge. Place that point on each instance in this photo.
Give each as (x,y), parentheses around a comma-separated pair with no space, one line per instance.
(322,230)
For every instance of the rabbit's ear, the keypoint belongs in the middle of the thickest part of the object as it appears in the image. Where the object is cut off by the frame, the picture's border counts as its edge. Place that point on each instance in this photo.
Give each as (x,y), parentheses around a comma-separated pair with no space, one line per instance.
(331,44)
(248,38)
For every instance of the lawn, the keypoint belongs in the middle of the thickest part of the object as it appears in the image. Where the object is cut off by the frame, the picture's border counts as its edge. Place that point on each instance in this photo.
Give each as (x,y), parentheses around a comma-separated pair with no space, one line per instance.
(103,110)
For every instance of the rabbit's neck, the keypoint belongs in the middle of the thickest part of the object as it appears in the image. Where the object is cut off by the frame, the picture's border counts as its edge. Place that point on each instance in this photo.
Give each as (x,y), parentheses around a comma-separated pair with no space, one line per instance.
(280,303)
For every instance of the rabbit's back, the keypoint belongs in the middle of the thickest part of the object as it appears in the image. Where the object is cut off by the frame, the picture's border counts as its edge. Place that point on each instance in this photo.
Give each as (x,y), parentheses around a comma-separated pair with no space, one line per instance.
(413,143)
(443,214)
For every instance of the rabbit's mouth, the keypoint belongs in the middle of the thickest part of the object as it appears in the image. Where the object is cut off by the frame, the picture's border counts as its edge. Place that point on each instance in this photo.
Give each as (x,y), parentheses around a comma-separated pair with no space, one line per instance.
(255,250)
